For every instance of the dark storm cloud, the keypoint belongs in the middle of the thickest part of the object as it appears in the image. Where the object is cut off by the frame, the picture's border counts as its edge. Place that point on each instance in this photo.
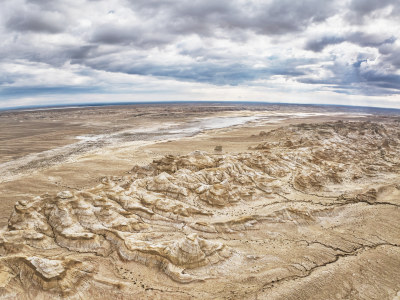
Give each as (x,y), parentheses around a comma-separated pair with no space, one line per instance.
(365,7)
(359,38)
(111,34)
(81,52)
(168,20)
(390,56)
(369,74)
(317,45)
(130,35)
(217,73)
(36,21)
(386,81)
(280,17)
(360,9)
(196,41)
(370,40)
(359,78)
(232,74)
(267,17)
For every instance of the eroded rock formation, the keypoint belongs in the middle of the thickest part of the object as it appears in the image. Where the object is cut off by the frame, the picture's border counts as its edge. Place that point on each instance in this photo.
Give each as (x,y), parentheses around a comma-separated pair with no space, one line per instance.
(305,198)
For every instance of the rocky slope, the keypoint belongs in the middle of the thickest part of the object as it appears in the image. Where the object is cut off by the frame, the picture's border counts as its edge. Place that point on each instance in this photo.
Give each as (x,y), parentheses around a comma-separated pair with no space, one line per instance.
(310,212)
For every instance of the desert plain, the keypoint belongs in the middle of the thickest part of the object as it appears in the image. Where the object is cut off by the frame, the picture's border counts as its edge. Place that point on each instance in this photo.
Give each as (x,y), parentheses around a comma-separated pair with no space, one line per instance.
(200,201)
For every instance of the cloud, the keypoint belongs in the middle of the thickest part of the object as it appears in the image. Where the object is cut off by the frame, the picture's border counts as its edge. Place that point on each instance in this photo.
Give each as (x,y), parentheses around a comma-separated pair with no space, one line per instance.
(130,35)
(317,45)
(49,90)
(359,10)
(36,21)
(370,40)
(272,17)
(364,76)
(343,47)
(358,38)
(80,52)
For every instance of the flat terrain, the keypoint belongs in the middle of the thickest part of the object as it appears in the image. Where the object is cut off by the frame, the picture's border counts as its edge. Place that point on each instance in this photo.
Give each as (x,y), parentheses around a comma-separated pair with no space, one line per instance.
(211,201)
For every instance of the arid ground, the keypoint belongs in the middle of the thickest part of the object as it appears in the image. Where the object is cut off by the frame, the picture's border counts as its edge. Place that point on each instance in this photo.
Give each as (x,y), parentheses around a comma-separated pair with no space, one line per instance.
(200,201)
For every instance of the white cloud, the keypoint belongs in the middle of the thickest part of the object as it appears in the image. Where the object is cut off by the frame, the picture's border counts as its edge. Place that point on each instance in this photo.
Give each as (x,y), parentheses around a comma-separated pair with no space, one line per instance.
(122,50)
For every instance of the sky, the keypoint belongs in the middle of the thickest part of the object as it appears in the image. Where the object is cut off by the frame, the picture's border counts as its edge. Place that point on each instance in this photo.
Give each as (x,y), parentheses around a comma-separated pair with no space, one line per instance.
(343,52)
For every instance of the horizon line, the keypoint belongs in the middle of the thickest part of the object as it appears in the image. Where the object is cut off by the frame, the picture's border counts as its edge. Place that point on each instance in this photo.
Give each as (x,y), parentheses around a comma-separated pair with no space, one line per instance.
(101,104)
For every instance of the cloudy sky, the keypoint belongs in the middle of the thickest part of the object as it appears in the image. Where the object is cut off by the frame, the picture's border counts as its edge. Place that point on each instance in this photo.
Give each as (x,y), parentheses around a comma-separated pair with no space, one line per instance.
(305,51)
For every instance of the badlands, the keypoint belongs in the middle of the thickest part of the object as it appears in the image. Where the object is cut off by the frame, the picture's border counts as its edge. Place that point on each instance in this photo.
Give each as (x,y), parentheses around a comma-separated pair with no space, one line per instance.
(210,201)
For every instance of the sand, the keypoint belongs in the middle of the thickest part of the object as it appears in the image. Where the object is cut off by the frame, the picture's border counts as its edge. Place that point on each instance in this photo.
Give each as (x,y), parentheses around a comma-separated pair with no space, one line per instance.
(322,243)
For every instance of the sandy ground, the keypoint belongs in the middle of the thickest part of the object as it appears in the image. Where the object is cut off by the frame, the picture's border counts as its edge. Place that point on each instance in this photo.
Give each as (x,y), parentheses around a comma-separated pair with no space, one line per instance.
(333,243)
(45,151)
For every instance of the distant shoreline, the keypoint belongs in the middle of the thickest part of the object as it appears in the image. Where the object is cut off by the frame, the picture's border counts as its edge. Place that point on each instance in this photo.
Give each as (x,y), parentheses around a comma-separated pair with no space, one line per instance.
(249,103)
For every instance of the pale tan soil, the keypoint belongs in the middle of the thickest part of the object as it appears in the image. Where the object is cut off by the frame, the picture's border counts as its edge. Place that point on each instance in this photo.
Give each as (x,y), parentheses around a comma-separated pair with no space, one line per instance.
(271,221)
(84,169)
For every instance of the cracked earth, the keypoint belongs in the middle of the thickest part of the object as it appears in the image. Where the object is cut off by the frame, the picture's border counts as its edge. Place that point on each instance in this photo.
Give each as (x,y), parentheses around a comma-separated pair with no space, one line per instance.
(310,211)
